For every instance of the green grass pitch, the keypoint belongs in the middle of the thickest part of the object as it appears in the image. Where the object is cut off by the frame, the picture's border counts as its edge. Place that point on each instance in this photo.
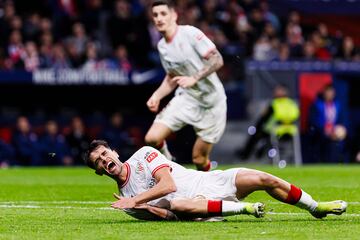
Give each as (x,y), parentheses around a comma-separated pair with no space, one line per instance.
(73,203)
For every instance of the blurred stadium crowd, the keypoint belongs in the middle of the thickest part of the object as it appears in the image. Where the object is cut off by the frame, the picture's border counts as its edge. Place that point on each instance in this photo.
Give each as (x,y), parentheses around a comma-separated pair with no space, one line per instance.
(97,34)
(118,34)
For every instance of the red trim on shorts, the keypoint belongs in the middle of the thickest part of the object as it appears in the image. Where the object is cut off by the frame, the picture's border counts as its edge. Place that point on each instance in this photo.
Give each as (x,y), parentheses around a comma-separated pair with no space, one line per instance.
(294,195)
(173,36)
(127,174)
(206,55)
(158,168)
(215,207)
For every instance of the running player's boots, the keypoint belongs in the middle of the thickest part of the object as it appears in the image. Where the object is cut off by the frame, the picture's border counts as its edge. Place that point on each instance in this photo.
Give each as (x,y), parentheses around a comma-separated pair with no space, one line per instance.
(255,209)
(324,208)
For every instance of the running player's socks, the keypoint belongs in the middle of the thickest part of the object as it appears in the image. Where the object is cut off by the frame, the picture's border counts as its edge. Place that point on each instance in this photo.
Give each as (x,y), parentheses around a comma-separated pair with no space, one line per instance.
(301,199)
(225,208)
(163,148)
(205,168)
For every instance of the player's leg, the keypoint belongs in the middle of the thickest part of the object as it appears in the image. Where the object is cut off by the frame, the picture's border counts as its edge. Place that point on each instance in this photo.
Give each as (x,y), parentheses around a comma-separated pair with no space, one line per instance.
(200,154)
(156,136)
(200,207)
(249,180)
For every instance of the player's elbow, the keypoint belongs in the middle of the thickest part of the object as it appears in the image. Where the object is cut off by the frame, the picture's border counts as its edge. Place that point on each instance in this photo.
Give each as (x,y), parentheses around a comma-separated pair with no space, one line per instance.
(170,188)
(220,63)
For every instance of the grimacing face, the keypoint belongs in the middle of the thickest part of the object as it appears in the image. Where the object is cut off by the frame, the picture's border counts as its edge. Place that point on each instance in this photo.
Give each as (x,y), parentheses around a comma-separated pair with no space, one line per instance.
(106,161)
(163,17)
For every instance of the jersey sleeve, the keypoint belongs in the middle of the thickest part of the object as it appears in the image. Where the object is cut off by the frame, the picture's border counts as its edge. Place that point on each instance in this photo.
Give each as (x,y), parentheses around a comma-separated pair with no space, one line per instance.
(202,44)
(154,160)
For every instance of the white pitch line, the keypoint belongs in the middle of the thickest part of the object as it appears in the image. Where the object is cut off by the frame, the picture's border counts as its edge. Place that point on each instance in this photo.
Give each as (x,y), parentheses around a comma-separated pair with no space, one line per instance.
(54,207)
(103,202)
(111,209)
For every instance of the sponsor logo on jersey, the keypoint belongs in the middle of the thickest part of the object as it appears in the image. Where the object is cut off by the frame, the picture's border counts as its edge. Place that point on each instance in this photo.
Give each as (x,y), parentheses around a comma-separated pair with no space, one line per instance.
(151,156)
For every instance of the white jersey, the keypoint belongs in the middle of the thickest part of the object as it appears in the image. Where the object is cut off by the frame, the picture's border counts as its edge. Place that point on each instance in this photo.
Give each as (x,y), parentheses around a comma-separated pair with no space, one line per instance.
(142,166)
(184,55)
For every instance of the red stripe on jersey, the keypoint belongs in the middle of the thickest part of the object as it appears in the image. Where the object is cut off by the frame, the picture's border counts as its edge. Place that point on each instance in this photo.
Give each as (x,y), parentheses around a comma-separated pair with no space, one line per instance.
(214,207)
(158,168)
(127,174)
(294,195)
(207,54)
(200,36)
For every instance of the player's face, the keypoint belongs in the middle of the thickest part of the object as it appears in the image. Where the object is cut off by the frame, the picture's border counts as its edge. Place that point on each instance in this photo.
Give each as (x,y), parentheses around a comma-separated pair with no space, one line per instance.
(106,161)
(163,17)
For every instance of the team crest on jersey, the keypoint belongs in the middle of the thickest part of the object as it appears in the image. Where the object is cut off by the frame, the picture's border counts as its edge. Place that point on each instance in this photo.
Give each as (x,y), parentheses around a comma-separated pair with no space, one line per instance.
(149,156)
(152,183)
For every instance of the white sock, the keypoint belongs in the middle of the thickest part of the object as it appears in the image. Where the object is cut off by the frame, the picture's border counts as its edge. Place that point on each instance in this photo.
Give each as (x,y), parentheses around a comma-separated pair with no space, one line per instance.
(306,202)
(165,151)
(230,208)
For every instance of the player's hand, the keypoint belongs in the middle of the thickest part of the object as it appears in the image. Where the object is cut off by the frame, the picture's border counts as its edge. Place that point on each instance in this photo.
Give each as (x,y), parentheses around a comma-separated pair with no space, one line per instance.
(184,81)
(122,202)
(137,206)
(153,103)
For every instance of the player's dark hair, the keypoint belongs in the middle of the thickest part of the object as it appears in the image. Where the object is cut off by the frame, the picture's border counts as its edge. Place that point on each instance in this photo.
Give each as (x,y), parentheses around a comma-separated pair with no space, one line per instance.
(168,3)
(93,145)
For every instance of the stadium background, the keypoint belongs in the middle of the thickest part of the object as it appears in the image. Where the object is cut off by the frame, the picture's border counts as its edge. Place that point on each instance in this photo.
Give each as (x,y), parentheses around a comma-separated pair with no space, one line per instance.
(87,60)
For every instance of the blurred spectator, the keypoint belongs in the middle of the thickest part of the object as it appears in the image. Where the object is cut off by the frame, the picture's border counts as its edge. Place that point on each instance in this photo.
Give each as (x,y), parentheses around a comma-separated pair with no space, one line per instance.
(308,51)
(321,50)
(294,35)
(117,135)
(31,57)
(7,154)
(278,119)
(54,149)
(328,128)
(32,28)
(25,142)
(59,58)
(284,52)
(348,50)
(16,49)
(78,39)
(121,60)
(77,139)
(269,16)
(93,63)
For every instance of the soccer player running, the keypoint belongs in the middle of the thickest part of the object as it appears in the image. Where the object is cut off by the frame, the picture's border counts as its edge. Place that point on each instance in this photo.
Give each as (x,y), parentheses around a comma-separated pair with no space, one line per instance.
(148,180)
(190,60)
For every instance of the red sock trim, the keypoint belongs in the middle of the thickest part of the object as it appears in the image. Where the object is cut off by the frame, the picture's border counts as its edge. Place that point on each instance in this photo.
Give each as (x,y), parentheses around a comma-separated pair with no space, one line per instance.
(205,168)
(294,195)
(215,207)
(160,145)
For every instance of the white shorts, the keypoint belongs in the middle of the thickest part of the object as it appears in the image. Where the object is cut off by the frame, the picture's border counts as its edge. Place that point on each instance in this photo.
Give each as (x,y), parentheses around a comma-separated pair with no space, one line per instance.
(209,123)
(218,184)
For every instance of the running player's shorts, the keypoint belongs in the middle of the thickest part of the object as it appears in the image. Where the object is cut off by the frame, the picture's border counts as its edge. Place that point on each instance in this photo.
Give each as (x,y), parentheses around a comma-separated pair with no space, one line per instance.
(209,123)
(218,184)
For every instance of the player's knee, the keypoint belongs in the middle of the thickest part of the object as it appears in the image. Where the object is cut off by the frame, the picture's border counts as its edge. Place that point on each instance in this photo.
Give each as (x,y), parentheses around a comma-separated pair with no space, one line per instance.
(152,140)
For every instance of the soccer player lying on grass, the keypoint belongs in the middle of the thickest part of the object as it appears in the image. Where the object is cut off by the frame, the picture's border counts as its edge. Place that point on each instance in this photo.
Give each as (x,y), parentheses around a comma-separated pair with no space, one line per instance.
(148,180)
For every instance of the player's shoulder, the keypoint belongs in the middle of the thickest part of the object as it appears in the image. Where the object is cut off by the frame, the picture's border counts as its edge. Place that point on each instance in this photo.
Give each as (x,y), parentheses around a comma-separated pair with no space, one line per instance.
(144,152)
(188,29)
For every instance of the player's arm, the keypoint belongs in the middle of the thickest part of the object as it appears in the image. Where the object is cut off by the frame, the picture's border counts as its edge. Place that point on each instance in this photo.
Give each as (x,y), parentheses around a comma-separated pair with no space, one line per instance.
(148,212)
(213,62)
(166,87)
(164,185)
